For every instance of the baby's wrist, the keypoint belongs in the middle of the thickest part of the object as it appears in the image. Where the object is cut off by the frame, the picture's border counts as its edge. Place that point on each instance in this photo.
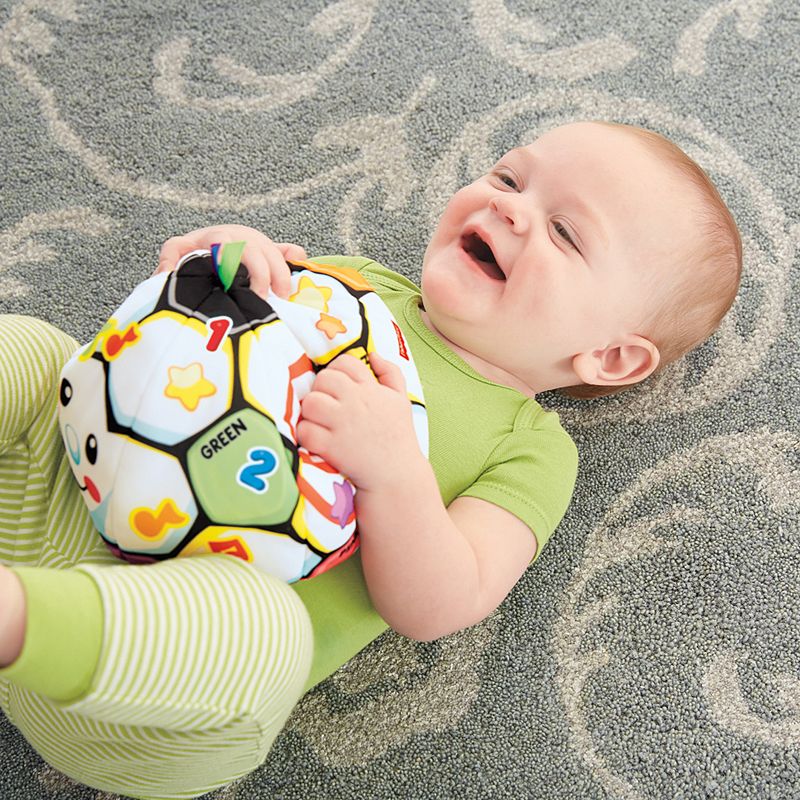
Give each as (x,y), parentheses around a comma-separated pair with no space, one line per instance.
(403,471)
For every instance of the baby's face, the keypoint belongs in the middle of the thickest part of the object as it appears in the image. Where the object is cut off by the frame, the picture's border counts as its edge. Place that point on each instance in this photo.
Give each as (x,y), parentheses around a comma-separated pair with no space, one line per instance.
(556,251)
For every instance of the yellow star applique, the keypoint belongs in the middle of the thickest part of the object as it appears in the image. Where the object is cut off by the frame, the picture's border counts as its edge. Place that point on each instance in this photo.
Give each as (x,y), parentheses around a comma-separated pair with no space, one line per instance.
(188,385)
(310,294)
(329,325)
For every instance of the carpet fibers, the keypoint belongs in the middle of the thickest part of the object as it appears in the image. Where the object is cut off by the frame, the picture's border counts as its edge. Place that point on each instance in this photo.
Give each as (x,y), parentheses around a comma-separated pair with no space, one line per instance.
(652,651)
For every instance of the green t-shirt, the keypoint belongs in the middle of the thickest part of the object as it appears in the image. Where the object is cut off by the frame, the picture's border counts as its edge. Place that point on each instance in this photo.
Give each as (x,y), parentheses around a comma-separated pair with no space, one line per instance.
(486,441)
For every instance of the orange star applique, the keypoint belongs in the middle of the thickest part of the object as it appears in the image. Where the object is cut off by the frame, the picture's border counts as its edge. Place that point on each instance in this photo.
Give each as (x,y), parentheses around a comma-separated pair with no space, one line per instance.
(330,326)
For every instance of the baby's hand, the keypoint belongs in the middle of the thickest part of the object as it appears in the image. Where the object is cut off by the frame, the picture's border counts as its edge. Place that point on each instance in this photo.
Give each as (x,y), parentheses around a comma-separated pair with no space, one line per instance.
(363,427)
(265,260)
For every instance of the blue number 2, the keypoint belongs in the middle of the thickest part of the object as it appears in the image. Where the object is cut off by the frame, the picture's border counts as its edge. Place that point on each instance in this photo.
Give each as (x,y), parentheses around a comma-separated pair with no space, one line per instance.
(262,463)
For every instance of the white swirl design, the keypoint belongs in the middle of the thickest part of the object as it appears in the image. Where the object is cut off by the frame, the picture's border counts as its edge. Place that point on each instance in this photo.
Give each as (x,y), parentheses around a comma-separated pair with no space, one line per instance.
(691,52)
(764,453)
(19,245)
(349,17)
(513,40)
(367,729)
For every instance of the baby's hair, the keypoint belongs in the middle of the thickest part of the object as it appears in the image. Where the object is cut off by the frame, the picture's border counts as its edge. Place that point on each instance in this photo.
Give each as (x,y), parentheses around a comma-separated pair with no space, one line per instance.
(705,286)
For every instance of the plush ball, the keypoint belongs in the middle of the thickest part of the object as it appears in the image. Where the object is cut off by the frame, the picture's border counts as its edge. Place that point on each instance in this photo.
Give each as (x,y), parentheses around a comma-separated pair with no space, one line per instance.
(180,417)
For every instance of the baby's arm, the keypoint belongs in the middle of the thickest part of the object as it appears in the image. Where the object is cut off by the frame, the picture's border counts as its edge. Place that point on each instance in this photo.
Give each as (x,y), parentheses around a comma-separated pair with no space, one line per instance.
(430,570)
(430,574)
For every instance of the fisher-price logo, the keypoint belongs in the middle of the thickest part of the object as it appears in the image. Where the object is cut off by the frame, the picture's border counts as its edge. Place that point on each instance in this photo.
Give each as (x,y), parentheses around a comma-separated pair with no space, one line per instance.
(401,345)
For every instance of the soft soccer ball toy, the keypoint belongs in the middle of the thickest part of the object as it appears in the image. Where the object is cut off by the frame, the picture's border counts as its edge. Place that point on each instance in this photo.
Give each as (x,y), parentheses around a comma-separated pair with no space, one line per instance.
(180,417)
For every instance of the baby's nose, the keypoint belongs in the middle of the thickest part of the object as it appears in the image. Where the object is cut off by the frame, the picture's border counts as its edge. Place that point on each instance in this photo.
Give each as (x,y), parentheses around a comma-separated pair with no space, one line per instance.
(509,208)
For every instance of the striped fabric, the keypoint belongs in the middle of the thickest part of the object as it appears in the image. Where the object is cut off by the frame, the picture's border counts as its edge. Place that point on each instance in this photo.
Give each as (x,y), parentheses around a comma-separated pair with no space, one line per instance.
(203,659)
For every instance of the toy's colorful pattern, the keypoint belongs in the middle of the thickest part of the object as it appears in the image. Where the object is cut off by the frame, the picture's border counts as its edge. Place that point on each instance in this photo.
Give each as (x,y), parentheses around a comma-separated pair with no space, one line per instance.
(180,416)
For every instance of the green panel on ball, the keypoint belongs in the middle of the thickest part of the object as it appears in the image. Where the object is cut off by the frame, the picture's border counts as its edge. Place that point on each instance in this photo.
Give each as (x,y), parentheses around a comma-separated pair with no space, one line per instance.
(242,473)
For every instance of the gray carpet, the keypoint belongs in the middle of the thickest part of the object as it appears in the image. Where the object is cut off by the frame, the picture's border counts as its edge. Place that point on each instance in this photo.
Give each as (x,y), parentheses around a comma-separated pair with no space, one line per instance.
(652,651)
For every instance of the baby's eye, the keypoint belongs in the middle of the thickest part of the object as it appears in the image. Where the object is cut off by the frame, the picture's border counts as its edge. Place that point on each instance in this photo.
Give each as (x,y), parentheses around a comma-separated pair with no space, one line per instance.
(507,179)
(564,234)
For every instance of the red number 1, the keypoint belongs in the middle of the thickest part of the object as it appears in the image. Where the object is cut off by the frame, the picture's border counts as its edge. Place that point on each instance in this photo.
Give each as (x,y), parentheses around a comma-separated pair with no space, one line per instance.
(219,330)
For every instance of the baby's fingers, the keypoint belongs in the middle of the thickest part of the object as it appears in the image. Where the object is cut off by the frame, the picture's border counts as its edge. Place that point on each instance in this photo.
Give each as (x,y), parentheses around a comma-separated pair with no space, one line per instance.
(387,372)
(176,247)
(268,268)
(292,252)
(171,252)
(264,260)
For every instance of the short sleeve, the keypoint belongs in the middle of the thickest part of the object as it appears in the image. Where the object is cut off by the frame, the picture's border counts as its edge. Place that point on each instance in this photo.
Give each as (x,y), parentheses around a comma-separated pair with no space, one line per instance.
(532,474)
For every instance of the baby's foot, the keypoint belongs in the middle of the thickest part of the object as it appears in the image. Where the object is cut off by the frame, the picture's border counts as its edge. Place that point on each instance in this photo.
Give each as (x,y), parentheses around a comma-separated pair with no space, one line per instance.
(12,616)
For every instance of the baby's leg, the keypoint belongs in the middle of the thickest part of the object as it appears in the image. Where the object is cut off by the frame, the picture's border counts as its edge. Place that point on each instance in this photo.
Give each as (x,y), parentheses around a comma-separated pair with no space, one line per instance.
(32,353)
(198,662)
(202,661)
(43,519)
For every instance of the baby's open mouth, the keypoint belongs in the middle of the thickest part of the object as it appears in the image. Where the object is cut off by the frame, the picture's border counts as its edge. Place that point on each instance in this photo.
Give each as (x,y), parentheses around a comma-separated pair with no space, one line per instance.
(482,254)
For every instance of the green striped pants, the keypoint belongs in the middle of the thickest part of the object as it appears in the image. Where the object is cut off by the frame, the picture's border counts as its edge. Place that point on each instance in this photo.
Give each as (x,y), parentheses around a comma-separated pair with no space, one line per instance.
(201,660)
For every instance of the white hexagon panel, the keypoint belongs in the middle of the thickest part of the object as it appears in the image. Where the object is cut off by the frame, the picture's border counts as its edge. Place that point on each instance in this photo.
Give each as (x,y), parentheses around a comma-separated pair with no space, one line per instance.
(153,507)
(165,385)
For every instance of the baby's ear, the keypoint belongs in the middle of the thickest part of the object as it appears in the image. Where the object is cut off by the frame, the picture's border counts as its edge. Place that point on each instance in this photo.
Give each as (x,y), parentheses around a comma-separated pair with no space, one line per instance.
(628,361)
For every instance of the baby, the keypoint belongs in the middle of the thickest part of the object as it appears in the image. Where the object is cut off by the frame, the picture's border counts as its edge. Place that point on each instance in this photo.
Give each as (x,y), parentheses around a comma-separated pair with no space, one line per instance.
(585,261)
(599,262)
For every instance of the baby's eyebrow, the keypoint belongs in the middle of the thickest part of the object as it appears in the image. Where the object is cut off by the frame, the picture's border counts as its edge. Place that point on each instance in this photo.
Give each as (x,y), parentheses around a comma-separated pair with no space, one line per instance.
(520,152)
